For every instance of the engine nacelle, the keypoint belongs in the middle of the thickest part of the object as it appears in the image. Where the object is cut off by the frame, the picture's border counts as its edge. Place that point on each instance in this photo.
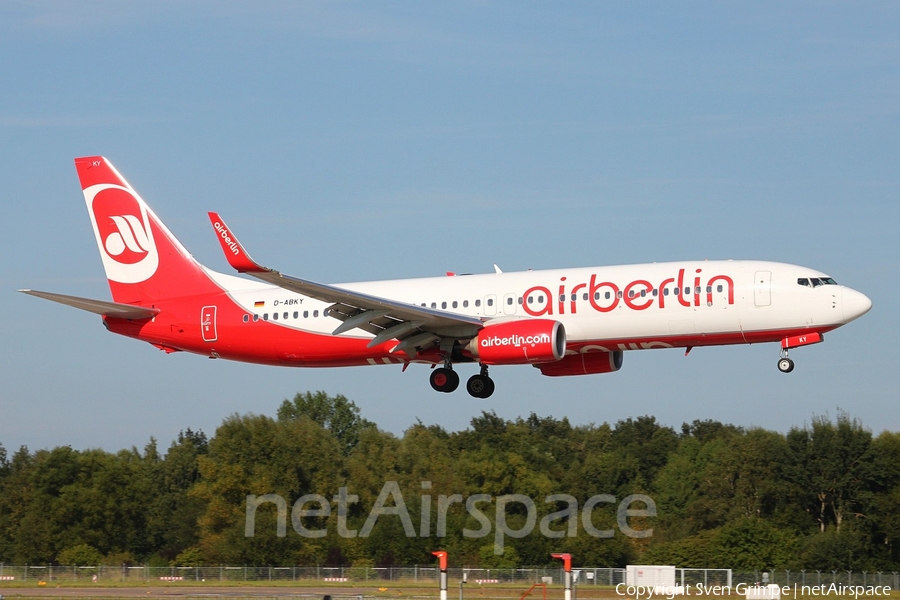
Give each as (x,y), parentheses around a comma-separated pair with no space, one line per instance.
(520,342)
(584,364)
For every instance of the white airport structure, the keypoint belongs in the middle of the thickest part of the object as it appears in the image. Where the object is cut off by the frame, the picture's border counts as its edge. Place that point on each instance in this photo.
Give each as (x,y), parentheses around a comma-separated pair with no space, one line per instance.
(660,578)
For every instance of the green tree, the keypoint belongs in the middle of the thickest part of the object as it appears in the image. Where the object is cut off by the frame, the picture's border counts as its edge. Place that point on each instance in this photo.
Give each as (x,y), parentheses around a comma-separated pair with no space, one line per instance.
(825,496)
(336,414)
(881,512)
(173,513)
(24,536)
(80,555)
(848,549)
(751,544)
(190,557)
(831,461)
(627,458)
(257,455)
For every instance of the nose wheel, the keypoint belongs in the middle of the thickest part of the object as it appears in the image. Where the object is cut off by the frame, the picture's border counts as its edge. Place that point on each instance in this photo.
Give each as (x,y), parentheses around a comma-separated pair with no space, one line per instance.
(785,365)
(444,380)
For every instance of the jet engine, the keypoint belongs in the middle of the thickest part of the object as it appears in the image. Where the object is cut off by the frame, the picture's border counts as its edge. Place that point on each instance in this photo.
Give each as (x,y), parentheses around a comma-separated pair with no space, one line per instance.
(584,364)
(520,342)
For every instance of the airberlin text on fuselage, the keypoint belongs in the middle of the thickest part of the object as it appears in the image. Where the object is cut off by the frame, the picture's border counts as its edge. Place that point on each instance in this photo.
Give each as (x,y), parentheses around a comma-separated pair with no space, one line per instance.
(227,238)
(605,296)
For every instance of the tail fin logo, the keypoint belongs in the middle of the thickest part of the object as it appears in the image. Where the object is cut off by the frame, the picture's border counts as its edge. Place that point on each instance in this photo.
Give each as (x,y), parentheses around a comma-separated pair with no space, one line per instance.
(129,235)
(122,226)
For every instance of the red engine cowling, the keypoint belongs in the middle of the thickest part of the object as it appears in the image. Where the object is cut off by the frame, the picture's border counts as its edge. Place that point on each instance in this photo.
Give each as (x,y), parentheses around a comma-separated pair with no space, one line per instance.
(521,342)
(584,364)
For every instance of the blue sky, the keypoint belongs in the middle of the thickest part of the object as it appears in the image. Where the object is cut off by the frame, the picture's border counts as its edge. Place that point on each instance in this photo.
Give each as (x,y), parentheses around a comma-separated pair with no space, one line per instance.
(353,141)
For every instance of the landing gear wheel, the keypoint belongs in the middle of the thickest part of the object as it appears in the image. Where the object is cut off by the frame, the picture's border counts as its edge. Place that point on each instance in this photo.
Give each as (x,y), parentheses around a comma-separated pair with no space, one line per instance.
(444,380)
(489,389)
(785,365)
(480,386)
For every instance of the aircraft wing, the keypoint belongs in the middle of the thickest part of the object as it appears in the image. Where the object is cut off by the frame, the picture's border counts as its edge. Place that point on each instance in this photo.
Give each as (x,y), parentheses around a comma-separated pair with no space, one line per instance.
(99,307)
(416,327)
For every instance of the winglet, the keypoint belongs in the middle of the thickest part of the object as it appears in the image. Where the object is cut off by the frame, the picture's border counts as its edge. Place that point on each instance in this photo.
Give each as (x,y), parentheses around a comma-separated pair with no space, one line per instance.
(235,254)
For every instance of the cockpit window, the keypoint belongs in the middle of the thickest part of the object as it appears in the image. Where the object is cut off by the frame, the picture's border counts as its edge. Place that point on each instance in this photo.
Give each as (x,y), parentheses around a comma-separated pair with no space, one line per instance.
(816,281)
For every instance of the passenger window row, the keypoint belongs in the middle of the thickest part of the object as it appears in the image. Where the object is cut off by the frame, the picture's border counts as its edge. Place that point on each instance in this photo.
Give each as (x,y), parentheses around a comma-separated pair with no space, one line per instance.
(539,299)
(285,315)
(456,304)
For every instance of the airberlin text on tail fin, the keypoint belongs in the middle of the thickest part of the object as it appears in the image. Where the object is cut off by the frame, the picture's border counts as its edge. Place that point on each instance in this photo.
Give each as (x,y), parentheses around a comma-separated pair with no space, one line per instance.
(144,262)
(234,252)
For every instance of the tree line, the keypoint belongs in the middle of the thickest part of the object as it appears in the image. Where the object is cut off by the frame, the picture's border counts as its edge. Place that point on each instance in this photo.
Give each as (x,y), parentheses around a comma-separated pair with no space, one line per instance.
(822,496)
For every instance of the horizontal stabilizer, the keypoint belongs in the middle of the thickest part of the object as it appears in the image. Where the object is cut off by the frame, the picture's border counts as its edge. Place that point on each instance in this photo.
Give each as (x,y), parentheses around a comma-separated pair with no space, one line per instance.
(100,307)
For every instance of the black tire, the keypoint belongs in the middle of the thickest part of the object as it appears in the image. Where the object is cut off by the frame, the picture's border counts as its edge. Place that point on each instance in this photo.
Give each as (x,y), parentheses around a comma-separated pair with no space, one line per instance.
(785,365)
(489,389)
(480,386)
(444,380)
(454,382)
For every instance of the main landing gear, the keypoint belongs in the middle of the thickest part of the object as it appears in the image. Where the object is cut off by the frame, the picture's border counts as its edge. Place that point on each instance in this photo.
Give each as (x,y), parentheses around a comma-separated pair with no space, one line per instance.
(445,379)
(481,385)
(785,365)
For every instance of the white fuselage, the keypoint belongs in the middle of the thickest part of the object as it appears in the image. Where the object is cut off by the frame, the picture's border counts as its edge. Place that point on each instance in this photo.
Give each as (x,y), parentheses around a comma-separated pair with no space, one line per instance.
(635,306)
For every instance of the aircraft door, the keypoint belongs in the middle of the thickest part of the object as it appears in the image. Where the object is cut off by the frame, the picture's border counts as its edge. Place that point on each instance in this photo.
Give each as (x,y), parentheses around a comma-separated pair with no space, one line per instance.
(208,324)
(762,288)
(490,305)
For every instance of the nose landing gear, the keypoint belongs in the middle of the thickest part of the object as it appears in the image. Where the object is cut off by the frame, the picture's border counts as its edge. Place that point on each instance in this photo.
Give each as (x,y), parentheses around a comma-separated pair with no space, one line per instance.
(785,365)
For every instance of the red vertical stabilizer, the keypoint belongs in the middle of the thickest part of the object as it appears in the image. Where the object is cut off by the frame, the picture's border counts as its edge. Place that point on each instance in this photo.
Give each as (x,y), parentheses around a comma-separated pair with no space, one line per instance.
(144,262)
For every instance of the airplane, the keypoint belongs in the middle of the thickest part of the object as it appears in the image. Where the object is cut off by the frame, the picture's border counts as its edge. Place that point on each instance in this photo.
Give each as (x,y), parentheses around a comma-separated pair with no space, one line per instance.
(564,322)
